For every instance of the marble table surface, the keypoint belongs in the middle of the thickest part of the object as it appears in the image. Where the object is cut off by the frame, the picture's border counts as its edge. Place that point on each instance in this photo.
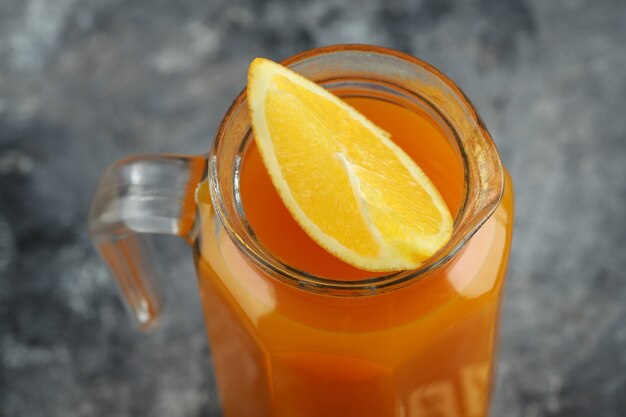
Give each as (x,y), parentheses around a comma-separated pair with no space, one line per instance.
(84,82)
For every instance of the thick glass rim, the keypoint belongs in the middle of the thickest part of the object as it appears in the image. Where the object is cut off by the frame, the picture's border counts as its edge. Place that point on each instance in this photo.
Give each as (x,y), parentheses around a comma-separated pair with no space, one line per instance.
(337,287)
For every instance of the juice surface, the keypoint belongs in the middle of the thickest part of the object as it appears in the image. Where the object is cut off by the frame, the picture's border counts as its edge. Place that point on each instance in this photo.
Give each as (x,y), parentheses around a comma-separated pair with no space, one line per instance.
(413,130)
(426,349)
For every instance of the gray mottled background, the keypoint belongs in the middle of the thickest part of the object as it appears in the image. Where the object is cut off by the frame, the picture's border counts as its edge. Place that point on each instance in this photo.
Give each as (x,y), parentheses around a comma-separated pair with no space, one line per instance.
(84,82)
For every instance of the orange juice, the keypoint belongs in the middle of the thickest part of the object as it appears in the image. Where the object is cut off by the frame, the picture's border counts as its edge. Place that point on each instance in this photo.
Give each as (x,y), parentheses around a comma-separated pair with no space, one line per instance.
(423,349)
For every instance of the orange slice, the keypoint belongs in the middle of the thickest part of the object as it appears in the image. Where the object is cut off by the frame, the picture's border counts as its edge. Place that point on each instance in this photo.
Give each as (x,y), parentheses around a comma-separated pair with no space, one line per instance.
(354,191)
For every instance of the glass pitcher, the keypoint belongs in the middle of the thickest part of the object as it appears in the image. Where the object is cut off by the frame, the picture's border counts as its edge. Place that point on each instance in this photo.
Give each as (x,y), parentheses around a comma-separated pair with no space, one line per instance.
(286,342)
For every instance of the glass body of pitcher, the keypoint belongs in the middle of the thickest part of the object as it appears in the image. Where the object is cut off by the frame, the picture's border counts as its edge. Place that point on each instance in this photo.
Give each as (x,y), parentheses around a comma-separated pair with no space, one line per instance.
(287,341)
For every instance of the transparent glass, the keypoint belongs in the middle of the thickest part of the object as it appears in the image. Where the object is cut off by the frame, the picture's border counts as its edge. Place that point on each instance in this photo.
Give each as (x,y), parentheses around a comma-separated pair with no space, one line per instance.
(286,342)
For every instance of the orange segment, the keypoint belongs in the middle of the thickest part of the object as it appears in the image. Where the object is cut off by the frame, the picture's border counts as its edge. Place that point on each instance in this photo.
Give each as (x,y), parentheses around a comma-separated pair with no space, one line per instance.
(354,191)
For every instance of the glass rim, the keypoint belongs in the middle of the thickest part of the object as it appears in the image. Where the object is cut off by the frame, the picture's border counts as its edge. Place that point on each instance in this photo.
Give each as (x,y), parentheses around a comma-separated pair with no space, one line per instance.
(333,286)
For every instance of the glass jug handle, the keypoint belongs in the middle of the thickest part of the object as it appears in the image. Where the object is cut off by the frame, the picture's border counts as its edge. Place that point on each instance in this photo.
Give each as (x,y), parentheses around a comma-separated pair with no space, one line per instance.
(138,196)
